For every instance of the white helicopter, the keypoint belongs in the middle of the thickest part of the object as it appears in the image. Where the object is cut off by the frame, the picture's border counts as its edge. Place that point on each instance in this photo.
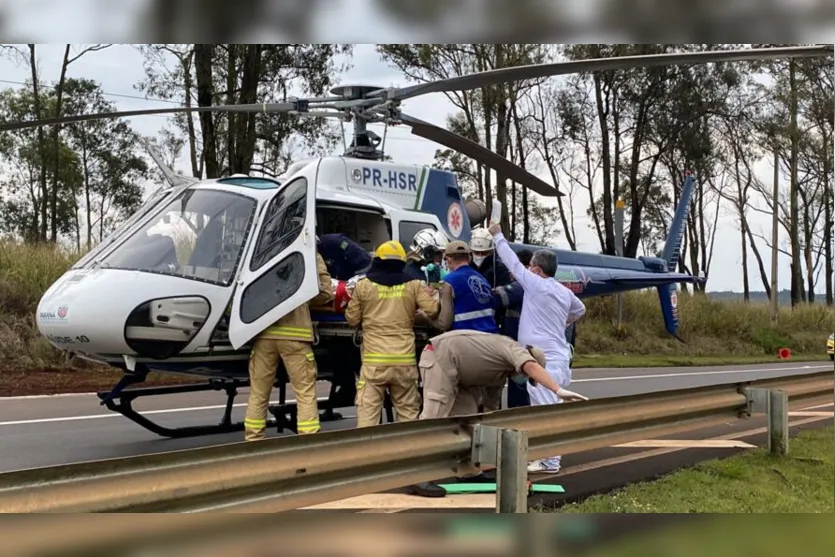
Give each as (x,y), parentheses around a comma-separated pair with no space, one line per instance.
(204,265)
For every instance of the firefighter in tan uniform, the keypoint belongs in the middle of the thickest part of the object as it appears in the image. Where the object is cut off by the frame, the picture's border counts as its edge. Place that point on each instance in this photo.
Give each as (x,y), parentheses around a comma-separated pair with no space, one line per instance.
(291,339)
(384,304)
(459,367)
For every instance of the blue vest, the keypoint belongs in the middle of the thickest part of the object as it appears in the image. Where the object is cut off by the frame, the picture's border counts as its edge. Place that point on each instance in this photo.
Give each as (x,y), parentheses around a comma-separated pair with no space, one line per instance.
(474,303)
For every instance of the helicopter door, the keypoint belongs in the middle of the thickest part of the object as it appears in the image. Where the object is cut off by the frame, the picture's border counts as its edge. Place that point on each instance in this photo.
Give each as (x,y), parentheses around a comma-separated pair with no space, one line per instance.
(279,272)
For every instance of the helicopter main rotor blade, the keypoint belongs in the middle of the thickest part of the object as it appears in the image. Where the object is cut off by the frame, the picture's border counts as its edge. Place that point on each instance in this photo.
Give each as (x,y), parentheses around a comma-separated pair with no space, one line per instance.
(267,108)
(480,154)
(535,71)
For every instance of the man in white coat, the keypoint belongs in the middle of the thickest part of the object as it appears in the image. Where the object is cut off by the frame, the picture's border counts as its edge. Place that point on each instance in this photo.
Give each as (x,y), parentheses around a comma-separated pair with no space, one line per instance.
(549,309)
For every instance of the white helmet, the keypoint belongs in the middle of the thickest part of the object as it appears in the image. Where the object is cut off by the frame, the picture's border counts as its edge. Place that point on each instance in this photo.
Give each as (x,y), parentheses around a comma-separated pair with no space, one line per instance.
(426,238)
(481,240)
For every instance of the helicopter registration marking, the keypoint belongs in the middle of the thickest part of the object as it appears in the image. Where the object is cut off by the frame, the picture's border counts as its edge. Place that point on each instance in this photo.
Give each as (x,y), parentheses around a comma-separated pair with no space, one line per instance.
(392,179)
(80,339)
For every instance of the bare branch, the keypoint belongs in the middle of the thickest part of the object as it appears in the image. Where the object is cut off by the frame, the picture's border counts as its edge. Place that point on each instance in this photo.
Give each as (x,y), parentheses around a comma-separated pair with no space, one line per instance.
(94,48)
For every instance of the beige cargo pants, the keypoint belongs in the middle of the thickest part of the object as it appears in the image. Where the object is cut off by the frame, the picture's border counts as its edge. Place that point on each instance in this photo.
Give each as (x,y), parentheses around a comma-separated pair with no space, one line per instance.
(443,396)
(401,382)
(301,370)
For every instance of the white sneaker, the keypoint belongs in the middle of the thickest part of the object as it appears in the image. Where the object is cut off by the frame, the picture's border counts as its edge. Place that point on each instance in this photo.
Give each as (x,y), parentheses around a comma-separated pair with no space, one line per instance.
(539,467)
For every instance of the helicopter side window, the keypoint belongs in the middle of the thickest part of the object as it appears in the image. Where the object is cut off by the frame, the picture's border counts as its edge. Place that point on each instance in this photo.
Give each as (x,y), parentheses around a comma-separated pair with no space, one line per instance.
(199,235)
(408,229)
(283,222)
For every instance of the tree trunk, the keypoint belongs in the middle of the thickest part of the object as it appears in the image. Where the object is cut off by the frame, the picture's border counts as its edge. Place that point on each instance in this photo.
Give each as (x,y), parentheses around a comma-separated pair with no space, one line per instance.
(797,283)
(746,288)
(55,137)
(606,161)
(205,90)
(232,119)
(41,207)
(245,150)
(827,223)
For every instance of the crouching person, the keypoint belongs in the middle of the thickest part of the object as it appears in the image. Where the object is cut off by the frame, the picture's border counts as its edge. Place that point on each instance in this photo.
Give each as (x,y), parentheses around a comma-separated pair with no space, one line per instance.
(458,368)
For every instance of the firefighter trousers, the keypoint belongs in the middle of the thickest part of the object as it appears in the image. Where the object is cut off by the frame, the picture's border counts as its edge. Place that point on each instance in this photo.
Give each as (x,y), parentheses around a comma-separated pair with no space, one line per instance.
(400,381)
(301,370)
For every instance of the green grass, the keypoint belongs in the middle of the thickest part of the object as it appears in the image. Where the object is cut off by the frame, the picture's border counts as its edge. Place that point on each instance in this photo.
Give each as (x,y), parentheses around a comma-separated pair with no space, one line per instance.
(753,482)
(781,535)
(716,332)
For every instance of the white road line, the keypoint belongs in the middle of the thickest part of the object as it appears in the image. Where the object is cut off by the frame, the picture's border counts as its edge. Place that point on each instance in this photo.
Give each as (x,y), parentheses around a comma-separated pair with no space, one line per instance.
(665,375)
(626,377)
(116,415)
(218,406)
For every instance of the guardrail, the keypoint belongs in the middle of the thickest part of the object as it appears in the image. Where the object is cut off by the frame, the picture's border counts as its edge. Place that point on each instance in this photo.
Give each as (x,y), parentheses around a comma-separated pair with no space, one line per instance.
(294,472)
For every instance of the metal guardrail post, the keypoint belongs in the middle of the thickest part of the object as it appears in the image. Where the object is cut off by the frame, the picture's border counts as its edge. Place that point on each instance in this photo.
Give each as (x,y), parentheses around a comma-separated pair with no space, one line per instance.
(507,449)
(774,403)
(778,422)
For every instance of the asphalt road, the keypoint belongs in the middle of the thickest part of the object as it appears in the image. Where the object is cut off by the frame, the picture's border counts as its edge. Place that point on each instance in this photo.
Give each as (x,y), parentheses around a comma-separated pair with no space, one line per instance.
(62,429)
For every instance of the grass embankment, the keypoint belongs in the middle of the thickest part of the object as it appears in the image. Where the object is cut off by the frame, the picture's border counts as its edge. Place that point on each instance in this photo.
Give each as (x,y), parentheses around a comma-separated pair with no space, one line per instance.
(752,482)
(716,332)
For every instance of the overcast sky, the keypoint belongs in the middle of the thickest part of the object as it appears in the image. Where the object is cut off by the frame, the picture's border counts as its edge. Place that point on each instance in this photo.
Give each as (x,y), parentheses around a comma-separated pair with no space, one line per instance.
(119,68)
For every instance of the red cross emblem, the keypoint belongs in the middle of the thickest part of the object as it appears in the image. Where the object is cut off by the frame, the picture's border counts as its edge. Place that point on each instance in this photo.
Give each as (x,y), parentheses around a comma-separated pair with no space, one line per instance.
(454,219)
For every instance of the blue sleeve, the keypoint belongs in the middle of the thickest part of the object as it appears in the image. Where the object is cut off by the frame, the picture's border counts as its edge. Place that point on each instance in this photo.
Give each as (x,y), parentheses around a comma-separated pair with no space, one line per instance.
(502,274)
(510,295)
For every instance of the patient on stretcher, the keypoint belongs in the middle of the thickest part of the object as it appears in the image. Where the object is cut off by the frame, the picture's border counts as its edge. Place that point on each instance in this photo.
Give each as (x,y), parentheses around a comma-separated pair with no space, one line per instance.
(342,289)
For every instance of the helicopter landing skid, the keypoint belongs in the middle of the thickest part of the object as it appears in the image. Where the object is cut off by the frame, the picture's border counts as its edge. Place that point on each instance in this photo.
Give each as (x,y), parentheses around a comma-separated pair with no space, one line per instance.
(121,401)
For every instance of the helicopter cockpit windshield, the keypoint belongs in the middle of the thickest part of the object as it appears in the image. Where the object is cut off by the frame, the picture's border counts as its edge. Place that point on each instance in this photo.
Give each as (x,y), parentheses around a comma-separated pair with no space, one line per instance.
(199,235)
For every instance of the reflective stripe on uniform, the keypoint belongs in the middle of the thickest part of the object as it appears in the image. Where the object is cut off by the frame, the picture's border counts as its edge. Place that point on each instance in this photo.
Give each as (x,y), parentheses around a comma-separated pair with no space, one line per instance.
(397,359)
(474,314)
(360,383)
(308,426)
(254,424)
(293,332)
(503,295)
(310,357)
(512,313)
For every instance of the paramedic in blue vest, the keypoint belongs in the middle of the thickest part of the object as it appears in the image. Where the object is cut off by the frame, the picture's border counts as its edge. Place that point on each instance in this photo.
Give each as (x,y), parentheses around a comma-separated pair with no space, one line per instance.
(474,304)
(344,258)
(510,298)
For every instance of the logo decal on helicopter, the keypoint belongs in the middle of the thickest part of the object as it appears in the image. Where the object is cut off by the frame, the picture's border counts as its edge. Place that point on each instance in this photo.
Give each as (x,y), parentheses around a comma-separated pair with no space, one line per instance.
(455,219)
(574,279)
(391,179)
(58,316)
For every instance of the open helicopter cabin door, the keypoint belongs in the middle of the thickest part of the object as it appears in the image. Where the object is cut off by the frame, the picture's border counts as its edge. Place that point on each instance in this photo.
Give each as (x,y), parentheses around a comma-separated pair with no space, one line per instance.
(279,271)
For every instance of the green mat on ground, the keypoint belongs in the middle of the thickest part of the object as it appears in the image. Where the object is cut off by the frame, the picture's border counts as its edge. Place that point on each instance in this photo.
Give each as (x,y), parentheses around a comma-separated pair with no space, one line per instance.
(491,488)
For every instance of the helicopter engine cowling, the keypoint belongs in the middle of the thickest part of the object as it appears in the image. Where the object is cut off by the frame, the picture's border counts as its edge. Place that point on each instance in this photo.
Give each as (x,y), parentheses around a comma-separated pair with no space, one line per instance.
(476,210)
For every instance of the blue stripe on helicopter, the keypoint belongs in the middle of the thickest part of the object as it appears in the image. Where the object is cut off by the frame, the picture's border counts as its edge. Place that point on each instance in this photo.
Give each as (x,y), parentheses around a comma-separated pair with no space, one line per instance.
(437,192)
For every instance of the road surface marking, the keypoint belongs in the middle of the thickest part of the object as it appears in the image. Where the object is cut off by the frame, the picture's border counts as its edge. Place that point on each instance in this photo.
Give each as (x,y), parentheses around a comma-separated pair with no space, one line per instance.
(117,415)
(394,502)
(623,378)
(688,444)
(824,414)
(666,375)
(658,452)
(240,404)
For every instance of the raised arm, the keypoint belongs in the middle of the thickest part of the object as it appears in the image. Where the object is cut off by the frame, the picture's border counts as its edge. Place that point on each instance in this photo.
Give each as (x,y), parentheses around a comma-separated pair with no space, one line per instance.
(526,279)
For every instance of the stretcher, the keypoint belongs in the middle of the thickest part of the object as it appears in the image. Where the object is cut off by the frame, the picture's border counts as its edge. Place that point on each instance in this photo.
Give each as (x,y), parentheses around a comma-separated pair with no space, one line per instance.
(329,320)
